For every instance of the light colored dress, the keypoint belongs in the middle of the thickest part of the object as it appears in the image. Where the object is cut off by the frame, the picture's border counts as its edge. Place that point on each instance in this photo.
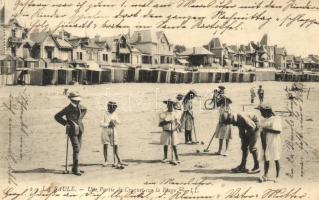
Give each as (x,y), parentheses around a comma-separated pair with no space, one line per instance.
(187,116)
(169,133)
(109,134)
(223,131)
(273,140)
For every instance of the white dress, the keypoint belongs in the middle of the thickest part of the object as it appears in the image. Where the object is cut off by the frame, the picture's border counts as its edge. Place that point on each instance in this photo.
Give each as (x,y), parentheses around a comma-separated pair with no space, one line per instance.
(273,140)
(169,134)
(109,134)
(223,131)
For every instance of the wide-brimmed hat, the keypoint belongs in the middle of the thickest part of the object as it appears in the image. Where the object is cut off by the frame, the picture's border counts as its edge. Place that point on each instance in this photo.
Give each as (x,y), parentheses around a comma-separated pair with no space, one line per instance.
(169,101)
(179,96)
(265,108)
(74,96)
(112,104)
(191,93)
(222,87)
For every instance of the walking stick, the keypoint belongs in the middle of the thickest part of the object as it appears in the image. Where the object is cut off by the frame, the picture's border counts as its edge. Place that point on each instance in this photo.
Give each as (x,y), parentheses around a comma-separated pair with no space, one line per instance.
(66,171)
(113,147)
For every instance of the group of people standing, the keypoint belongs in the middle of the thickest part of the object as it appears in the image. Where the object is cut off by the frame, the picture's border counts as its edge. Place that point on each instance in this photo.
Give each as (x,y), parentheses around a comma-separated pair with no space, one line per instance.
(179,117)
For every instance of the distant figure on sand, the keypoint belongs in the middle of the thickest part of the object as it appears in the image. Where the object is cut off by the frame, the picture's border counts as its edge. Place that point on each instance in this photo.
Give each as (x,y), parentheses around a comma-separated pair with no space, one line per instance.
(109,134)
(261,94)
(73,113)
(187,119)
(169,121)
(252,94)
(223,131)
(249,130)
(271,140)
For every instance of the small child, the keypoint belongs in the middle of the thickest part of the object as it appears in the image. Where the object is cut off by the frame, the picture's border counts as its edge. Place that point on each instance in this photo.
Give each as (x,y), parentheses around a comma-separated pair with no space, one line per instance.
(169,121)
(261,93)
(109,134)
(271,140)
(252,95)
(223,131)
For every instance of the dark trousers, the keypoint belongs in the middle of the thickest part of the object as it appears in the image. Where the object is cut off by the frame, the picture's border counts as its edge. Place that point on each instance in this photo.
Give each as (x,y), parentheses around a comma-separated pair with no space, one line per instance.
(248,142)
(188,136)
(261,98)
(76,141)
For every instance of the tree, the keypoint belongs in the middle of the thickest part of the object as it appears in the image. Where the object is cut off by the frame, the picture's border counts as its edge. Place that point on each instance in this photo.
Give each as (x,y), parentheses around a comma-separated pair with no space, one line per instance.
(179,48)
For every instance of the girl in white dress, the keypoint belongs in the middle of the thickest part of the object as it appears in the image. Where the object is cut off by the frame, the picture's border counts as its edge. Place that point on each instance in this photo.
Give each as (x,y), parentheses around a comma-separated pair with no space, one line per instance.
(271,140)
(223,131)
(170,123)
(109,135)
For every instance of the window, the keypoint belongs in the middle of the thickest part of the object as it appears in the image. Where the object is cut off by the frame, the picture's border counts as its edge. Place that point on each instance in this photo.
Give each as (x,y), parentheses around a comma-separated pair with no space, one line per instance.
(105,57)
(50,54)
(162,59)
(79,55)
(122,43)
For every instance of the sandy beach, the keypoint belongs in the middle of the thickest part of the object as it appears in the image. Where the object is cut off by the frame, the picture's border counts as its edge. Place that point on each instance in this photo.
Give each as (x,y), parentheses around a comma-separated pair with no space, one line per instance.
(43,149)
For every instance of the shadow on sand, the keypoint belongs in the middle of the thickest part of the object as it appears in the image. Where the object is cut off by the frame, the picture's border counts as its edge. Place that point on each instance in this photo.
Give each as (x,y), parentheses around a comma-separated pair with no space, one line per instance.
(40,171)
(141,161)
(198,154)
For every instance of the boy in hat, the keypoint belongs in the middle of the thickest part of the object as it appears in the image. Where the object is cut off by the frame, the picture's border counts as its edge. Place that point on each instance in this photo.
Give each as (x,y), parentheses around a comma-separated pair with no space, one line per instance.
(71,117)
(261,94)
(252,95)
(270,139)
(248,132)
(187,119)
(169,121)
(223,131)
(109,134)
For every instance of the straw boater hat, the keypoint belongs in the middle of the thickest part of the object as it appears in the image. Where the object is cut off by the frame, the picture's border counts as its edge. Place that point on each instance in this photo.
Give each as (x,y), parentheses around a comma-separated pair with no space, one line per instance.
(74,96)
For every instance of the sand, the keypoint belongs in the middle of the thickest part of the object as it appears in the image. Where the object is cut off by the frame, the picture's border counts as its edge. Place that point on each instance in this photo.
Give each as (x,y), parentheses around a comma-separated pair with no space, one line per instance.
(43,150)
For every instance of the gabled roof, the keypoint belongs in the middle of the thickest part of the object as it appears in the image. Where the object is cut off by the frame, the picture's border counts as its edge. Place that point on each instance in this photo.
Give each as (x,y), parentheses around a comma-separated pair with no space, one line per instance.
(215,43)
(315,58)
(63,44)
(298,59)
(147,36)
(39,37)
(196,51)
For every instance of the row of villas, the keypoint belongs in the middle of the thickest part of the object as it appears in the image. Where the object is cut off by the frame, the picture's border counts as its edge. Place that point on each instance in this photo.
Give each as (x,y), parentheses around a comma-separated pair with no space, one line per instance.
(254,54)
(46,50)
(146,48)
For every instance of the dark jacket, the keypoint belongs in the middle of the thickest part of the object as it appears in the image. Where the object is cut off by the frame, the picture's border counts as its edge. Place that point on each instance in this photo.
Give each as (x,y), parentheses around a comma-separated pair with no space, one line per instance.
(73,119)
(247,124)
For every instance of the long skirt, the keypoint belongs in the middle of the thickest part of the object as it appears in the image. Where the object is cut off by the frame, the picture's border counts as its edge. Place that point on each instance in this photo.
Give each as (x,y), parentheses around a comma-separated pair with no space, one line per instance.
(187,121)
(223,131)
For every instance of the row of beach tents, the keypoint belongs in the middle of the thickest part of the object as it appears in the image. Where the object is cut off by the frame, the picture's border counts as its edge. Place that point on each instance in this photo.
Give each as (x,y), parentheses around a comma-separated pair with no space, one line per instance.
(65,76)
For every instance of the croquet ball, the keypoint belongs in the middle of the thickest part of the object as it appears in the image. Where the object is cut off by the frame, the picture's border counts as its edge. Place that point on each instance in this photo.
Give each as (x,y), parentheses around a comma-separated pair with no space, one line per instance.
(202,143)
(197,151)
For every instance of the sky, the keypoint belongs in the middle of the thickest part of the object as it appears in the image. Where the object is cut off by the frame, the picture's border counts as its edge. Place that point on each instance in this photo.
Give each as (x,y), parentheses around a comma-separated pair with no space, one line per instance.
(297,41)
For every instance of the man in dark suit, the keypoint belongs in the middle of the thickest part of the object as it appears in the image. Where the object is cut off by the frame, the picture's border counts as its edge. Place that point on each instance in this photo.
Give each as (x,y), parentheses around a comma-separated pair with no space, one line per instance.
(249,130)
(71,117)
